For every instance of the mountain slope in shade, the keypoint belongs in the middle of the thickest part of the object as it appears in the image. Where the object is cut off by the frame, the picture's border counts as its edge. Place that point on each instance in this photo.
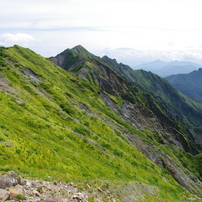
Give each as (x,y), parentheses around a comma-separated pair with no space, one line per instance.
(189,84)
(176,106)
(99,129)
(164,69)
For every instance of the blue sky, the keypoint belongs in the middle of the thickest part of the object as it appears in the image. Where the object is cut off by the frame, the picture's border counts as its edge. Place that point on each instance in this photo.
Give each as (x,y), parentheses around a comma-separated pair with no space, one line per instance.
(132,31)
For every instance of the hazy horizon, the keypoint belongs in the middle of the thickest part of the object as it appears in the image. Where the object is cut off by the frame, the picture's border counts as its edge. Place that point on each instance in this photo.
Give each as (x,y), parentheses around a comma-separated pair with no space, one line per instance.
(132,31)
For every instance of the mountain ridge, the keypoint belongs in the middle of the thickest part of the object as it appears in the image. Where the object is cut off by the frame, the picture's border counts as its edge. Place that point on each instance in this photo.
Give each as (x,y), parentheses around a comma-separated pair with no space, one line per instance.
(125,71)
(91,75)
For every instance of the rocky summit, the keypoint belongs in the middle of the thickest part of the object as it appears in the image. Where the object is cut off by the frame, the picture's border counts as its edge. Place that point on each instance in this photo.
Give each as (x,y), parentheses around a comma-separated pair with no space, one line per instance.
(77,127)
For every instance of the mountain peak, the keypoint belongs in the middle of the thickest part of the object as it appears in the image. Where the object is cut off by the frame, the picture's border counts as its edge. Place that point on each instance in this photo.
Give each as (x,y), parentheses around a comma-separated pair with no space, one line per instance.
(79,49)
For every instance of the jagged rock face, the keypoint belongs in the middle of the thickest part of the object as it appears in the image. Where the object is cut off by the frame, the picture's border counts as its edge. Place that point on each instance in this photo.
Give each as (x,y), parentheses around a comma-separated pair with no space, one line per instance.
(111,83)
(193,184)
(60,59)
(108,80)
(174,104)
(136,114)
(141,118)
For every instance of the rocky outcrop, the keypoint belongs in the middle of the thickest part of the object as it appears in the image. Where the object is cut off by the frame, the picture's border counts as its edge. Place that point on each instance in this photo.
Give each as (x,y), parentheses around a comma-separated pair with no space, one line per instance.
(134,113)
(142,118)
(192,184)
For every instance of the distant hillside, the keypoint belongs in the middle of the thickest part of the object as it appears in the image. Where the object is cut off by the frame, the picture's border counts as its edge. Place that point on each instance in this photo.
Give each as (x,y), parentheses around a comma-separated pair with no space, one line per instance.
(164,69)
(189,84)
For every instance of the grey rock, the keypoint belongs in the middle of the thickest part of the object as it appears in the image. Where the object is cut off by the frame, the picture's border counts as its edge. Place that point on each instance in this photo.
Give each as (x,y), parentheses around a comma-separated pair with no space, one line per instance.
(4,195)
(164,161)
(15,191)
(8,145)
(11,174)
(21,180)
(8,182)
(79,197)
(49,199)
(2,182)
(99,189)
(29,73)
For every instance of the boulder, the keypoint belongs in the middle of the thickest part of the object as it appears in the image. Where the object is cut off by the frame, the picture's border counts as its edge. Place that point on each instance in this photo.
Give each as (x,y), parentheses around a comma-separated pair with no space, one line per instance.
(79,197)
(4,195)
(50,199)
(11,174)
(2,182)
(8,182)
(21,180)
(15,191)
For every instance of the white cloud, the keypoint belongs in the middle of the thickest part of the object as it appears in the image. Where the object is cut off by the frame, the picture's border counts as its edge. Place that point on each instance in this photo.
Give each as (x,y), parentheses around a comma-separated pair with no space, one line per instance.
(134,57)
(154,26)
(161,14)
(19,38)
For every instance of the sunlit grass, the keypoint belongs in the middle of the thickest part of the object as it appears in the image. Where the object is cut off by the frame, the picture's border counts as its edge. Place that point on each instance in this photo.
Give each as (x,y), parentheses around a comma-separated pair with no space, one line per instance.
(43,131)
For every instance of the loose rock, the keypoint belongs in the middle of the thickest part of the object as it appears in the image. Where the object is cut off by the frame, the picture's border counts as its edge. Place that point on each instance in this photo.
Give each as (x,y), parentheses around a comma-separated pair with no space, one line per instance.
(79,196)
(51,200)
(4,195)
(16,191)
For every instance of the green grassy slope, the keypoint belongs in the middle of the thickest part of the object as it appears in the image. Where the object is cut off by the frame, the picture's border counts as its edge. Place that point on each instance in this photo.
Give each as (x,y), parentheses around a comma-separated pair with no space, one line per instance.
(54,124)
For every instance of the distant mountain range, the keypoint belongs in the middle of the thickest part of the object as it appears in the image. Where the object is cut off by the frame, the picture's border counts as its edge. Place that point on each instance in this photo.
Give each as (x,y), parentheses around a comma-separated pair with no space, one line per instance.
(164,69)
(189,84)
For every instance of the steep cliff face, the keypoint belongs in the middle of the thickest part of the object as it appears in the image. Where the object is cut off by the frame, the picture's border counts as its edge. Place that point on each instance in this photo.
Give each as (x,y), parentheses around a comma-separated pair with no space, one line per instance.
(179,109)
(168,98)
